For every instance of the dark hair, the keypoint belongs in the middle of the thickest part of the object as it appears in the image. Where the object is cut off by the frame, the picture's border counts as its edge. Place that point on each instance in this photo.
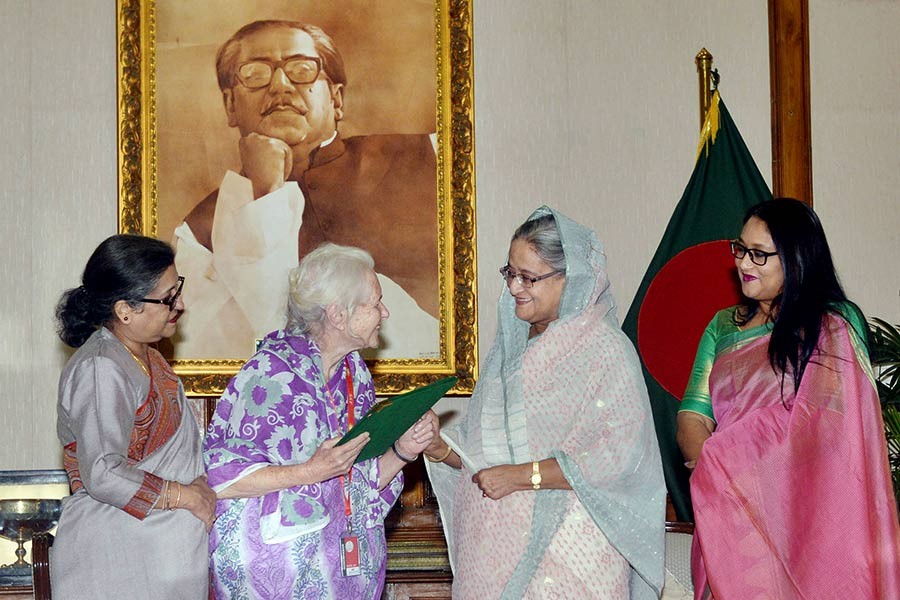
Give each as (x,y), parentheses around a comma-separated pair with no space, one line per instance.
(123,267)
(542,234)
(226,58)
(811,286)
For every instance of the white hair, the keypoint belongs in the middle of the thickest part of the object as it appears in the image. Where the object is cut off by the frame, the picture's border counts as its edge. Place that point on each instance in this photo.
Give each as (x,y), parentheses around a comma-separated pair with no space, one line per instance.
(330,274)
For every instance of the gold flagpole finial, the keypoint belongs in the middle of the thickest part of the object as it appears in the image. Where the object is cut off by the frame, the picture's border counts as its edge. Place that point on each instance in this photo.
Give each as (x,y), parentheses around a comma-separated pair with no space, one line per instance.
(705,76)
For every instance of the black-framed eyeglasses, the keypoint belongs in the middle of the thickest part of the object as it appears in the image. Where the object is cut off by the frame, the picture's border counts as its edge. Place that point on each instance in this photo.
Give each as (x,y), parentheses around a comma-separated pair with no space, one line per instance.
(524,280)
(757,257)
(172,299)
(298,69)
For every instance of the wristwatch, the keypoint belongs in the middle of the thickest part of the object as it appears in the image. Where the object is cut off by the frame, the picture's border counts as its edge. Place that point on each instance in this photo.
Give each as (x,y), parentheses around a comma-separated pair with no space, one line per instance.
(536,475)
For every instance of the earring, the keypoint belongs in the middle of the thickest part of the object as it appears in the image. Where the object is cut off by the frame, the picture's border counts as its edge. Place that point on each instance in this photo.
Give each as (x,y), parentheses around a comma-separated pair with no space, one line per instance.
(125,319)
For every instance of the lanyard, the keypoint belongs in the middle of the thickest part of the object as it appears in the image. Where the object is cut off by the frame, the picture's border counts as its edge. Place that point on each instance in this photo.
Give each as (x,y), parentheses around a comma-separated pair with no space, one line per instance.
(351,420)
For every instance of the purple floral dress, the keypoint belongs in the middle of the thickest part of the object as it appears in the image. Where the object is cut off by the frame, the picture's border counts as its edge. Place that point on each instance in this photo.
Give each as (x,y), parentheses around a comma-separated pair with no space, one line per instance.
(286,544)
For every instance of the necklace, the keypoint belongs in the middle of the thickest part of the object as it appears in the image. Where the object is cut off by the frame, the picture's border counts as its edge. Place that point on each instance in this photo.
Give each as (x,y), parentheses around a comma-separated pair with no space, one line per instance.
(138,361)
(144,366)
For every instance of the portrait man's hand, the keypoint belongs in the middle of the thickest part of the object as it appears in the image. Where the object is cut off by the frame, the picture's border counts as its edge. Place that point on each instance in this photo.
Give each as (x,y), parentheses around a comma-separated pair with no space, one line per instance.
(267,162)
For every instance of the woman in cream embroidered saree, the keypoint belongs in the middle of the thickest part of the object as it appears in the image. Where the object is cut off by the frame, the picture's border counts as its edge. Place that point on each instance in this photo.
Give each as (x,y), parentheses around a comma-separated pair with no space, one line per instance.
(551,486)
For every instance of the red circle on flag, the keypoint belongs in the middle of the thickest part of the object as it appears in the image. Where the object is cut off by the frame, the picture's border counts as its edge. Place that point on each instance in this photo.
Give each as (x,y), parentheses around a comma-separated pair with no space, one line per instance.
(680,302)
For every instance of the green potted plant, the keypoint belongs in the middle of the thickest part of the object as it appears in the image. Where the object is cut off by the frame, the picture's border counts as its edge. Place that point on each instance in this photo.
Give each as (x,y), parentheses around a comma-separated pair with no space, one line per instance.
(884,349)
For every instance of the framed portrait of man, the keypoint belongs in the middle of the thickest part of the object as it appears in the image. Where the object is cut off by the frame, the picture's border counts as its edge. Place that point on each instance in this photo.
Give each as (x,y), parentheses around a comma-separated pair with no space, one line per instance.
(252,132)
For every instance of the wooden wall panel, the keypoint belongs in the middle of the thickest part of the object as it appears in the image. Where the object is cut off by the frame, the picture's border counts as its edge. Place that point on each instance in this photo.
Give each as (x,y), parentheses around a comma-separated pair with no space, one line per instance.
(789,74)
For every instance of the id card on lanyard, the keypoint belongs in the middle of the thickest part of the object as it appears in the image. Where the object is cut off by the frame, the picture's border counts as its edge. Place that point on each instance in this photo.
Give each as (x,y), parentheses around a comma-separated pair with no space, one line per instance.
(350,553)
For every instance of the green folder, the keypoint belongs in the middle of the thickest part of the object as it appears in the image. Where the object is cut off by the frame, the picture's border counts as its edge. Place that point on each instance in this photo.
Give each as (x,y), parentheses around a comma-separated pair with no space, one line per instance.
(389,419)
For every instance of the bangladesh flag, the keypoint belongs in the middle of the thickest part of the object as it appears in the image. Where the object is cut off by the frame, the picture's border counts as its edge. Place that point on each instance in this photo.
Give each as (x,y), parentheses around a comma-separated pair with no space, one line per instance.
(691,277)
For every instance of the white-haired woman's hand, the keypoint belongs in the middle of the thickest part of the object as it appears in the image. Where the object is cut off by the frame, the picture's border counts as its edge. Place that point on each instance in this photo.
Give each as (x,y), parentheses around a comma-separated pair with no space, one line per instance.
(407,449)
(331,460)
(328,461)
(419,436)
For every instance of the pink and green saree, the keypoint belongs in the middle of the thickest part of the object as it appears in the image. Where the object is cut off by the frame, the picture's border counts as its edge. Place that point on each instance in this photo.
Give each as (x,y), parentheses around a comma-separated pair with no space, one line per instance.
(792,494)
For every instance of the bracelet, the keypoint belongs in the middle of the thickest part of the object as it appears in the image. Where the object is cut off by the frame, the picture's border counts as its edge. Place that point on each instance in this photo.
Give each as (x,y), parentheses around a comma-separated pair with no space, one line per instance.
(441,459)
(400,456)
(163,499)
(177,498)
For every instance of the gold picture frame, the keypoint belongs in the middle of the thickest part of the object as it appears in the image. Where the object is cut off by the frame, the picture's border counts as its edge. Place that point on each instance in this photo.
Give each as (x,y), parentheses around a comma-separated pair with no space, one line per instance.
(138,200)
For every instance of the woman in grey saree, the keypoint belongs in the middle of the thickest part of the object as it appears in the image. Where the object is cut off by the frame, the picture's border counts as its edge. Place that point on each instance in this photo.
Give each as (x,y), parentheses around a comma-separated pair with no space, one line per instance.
(136,523)
(551,485)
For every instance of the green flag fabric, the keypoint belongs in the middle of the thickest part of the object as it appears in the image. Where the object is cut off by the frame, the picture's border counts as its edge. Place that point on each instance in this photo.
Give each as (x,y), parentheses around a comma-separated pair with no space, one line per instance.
(691,277)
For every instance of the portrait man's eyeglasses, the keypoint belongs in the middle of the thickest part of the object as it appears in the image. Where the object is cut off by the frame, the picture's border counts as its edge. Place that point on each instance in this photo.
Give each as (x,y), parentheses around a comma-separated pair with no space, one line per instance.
(298,69)
(757,257)
(524,280)
(171,300)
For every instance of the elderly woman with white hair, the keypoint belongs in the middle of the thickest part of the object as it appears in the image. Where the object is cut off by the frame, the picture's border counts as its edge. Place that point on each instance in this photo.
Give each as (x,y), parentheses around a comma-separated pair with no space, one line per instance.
(296,516)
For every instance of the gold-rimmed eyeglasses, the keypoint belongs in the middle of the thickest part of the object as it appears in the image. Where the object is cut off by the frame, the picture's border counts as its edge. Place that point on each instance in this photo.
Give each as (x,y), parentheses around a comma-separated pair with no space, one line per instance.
(525,281)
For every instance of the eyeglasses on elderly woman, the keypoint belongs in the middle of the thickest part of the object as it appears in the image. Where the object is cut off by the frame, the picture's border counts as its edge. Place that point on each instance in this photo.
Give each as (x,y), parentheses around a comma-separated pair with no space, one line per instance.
(173,296)
(524,280)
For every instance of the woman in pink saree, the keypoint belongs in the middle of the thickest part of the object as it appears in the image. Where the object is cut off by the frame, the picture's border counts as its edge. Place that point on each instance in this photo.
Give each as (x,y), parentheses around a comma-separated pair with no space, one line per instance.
(551,486)
(782,426)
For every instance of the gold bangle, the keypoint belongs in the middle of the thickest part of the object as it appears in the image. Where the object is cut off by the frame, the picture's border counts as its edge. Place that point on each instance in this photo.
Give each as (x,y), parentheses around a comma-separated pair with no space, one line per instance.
(441,459)
(177,498)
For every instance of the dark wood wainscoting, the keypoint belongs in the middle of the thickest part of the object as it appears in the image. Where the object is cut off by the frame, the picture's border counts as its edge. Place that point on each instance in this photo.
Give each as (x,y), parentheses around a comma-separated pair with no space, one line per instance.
(418,566)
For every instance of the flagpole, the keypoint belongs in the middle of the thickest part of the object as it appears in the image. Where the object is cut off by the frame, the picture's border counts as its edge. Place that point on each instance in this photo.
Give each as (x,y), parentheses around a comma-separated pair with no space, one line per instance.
(704,74)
